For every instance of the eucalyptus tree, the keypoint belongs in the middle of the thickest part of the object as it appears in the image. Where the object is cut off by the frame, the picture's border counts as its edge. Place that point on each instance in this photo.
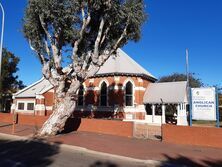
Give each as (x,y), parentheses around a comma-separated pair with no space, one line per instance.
(82,34)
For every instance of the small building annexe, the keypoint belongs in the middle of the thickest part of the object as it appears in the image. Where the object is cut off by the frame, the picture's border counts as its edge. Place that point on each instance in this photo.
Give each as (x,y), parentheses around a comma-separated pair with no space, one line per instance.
(160,96)
(119,90)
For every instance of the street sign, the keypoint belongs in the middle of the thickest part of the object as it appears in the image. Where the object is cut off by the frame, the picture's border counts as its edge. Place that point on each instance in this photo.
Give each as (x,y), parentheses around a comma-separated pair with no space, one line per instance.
(203,103)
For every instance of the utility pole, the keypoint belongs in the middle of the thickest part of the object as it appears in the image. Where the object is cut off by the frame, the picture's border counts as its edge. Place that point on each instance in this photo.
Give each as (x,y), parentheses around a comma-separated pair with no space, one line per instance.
(187,68)
(1,41)
(189,94)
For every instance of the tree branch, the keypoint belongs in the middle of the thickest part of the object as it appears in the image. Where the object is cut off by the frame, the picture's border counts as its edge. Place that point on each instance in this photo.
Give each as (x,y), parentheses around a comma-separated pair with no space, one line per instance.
(41,57)
(124,33)
(86,21)
(93,69)
(47,48)
(105,34)
(45,29)
(95,57)
(55,51)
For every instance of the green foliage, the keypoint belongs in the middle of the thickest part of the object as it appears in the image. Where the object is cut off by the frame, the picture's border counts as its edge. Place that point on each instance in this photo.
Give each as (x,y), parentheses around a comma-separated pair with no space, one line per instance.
(63,20)
(193,80)
(9,80)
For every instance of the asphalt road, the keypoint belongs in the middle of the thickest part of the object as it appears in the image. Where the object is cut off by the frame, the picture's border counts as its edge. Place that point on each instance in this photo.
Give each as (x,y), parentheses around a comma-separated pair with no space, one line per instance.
(27,153)
(74,158)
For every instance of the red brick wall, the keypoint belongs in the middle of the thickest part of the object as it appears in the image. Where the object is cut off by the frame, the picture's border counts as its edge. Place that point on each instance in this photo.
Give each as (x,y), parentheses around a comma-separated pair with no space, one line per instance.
(117,96)
(202,136)
(31,120)
(49,98)
(111,127)
(6,117)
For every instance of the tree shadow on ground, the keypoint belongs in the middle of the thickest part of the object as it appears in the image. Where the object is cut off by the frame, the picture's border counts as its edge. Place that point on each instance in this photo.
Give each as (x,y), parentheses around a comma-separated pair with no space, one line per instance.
(72,124)
(25,153)
(103,164)
(187,162)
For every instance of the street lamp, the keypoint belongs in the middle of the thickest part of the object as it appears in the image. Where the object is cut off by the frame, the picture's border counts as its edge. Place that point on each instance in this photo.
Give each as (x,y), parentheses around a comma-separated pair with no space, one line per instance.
(1,41)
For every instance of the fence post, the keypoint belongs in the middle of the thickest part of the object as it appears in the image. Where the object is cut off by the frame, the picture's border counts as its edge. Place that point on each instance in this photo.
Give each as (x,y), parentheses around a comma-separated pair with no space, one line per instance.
(14,121)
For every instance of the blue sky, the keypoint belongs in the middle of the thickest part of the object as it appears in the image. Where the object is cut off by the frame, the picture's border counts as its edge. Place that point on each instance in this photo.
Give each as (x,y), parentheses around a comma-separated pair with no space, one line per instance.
(173,26)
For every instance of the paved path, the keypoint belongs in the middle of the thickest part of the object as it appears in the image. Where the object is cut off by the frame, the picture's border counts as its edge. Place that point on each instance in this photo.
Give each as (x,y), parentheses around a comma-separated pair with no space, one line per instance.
(134,148)
(28,153)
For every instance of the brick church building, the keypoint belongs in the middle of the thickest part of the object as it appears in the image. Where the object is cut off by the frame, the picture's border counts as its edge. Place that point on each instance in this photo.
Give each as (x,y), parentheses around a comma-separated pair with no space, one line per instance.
(117,90)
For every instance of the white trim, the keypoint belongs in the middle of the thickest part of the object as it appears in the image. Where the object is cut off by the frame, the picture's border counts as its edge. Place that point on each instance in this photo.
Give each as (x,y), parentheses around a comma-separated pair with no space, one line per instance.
(126,81)
(38,96)
(103,80)
(40,107)
(52,90)
(116,87)
(94,88)
(25,105)
(91,80)
(140,80)
(116,79)
(134,109)
(25,111)
(48,107)
(140,88)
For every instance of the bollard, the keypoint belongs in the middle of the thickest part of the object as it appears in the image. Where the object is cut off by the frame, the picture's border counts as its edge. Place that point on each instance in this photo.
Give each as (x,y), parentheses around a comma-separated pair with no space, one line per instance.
(15,115)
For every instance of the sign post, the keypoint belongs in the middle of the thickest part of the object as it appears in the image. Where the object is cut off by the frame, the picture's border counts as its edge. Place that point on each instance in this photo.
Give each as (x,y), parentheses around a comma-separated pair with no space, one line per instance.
(190,106)
(217,109)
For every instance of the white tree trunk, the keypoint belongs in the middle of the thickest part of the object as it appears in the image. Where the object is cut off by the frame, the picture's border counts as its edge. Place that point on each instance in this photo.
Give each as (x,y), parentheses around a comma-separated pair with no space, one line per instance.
(57,120)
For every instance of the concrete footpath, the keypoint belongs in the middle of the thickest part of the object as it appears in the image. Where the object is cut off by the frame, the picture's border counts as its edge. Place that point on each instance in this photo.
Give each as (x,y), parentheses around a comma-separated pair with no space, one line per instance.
(155,152)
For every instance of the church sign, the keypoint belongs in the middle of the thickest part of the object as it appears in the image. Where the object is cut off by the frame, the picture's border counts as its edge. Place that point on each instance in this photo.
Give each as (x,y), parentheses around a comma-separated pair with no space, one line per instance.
(203,103)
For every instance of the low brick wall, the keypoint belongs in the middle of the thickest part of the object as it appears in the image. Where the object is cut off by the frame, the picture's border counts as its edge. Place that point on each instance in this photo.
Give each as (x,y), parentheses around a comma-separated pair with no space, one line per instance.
(6,117)
(31,120)
(111,127)
(201,136)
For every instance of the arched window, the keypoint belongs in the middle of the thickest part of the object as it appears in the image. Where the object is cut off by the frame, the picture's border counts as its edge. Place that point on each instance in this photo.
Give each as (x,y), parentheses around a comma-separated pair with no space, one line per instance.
(81,96)
(103,94)
(129,94)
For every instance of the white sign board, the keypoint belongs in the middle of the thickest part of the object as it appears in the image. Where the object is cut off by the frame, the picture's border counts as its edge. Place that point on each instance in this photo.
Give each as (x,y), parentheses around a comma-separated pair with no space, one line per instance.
(203,103)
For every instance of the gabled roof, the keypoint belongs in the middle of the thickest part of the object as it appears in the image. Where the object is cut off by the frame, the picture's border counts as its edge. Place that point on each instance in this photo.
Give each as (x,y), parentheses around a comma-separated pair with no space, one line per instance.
(122,64)
(38,87)
(169,92)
